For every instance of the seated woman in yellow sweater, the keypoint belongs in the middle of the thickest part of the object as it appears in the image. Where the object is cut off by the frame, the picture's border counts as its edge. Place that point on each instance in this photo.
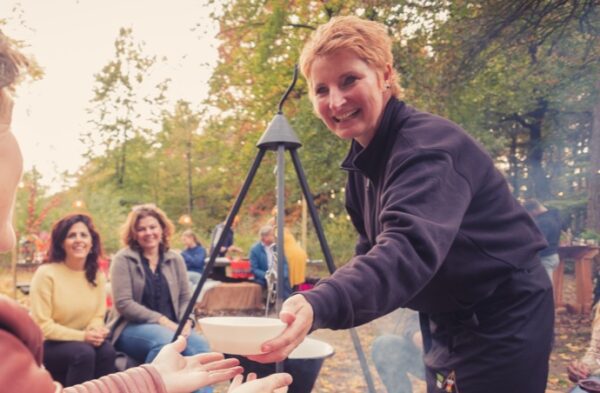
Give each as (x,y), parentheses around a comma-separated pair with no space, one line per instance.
(68,303)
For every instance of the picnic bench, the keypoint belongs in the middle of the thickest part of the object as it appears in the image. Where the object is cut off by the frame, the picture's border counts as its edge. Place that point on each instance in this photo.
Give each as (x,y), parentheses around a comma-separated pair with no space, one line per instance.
(30,267)
(582,257)
(231,296)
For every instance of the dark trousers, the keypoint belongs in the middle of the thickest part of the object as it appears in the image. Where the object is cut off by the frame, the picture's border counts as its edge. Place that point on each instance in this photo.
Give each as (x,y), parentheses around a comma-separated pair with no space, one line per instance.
(74,362)
(503,347)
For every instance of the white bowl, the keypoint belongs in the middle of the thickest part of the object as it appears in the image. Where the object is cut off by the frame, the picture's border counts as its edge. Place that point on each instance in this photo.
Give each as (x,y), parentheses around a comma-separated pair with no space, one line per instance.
(240,335)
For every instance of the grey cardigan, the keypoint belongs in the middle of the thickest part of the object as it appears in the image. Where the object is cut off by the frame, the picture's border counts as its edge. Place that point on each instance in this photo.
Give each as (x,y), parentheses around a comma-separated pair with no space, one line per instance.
(127,282)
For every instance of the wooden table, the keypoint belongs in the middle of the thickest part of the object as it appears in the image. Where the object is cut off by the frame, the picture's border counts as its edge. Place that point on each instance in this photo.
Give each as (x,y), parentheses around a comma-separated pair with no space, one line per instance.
(582,256)
(232,296)
(29,267)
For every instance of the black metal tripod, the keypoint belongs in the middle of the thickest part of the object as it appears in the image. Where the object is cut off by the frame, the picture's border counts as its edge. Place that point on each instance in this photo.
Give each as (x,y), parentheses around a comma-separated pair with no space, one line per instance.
(279,137)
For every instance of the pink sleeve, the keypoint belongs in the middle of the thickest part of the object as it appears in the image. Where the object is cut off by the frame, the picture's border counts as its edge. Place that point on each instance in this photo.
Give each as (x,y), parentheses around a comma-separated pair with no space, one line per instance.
(19,369)
(142,379)
(21,345)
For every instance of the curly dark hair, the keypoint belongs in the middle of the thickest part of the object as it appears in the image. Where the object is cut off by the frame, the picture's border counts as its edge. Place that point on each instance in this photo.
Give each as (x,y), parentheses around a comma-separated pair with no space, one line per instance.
(60,229)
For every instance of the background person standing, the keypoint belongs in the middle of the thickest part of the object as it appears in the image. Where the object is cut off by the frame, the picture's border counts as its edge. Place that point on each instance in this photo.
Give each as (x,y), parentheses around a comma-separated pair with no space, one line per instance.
(549,223)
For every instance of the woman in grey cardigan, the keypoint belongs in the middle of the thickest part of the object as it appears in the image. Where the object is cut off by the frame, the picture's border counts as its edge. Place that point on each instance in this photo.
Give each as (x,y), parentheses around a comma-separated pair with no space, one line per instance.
(150,289)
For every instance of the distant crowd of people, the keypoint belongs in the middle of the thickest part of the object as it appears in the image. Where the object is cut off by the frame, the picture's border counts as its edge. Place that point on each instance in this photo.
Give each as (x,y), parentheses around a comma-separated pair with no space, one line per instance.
(151,286)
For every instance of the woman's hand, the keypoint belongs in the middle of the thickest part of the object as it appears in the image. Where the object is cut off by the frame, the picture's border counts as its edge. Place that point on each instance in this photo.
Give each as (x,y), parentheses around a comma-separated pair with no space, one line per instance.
(274,383)
(104,331)
(166,322)
(184,374)
(94,336)
(187,329)
(298,314)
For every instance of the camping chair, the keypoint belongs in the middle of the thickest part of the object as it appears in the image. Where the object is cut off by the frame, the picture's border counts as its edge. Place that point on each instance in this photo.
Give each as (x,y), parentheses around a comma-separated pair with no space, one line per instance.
(271,278)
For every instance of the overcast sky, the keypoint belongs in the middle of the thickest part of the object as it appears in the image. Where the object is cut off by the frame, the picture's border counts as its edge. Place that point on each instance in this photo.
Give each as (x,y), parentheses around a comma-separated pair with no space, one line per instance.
(72,40)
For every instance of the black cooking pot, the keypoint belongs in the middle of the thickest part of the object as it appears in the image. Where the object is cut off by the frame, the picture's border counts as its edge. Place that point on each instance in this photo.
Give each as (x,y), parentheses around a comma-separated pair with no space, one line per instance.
(304,364)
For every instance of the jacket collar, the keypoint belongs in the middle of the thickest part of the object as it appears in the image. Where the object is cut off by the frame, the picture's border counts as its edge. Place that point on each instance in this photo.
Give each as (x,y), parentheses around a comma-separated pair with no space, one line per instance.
(369,159)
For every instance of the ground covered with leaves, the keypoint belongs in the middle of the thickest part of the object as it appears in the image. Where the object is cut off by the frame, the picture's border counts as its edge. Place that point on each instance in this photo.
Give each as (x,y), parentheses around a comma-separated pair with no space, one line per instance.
(342,372)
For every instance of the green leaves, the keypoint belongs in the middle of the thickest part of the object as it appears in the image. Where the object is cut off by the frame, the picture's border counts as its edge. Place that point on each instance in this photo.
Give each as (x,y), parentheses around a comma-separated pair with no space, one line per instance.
(519,76)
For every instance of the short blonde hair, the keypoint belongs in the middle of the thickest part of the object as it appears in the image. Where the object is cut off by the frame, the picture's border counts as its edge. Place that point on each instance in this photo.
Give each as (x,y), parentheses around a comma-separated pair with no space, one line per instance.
(367,39)
(128,231)
(192,235)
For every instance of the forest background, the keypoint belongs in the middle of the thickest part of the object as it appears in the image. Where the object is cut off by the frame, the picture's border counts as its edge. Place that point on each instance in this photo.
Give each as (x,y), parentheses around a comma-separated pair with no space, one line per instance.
(521,76)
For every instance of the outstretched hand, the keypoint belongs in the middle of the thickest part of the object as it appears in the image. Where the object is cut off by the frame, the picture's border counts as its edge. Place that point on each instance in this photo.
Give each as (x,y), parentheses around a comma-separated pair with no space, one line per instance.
(183,374)
(298,314)
(274,383)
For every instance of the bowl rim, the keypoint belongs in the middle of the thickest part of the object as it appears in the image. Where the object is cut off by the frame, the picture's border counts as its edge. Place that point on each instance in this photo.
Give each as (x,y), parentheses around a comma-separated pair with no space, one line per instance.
(328,348)
(222,321)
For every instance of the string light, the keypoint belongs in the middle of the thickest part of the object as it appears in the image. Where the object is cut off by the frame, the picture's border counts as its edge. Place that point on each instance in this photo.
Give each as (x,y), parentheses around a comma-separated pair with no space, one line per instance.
(185,220)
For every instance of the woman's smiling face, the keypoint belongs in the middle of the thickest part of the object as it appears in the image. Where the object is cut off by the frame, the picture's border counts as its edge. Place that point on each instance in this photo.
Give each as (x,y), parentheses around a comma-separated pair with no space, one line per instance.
(149,233)
(349,95)
(78,242)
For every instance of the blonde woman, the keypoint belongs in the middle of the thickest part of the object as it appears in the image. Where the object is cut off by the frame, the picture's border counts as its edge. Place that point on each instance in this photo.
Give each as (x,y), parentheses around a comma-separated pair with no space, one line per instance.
(150,289)
(438,229)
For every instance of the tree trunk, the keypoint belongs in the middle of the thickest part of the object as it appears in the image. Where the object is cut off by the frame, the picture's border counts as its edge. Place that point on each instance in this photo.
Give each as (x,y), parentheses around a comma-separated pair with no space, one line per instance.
(189,175)
(539,182)
(121,172)
(513,166)
(593,207)
(122,160)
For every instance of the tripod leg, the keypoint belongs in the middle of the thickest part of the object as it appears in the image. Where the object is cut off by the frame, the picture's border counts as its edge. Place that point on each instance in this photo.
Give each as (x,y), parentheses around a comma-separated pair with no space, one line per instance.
(310,202)
(215,251)
(280,225)
(329,260)
(267,303)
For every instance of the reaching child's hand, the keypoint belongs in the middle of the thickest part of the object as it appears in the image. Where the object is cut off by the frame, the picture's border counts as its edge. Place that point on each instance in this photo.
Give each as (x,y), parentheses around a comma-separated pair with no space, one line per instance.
(183,374)
(274,383)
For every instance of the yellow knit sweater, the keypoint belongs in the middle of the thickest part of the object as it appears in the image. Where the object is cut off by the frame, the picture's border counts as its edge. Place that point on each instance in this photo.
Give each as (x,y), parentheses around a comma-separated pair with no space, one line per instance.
(64,304)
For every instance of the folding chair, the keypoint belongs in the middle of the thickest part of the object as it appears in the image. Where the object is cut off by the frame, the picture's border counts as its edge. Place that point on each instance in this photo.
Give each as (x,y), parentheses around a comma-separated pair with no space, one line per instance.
(271,278)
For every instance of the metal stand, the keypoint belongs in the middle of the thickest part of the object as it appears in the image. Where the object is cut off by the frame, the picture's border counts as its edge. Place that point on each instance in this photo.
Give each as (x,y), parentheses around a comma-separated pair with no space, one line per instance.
(279,137)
